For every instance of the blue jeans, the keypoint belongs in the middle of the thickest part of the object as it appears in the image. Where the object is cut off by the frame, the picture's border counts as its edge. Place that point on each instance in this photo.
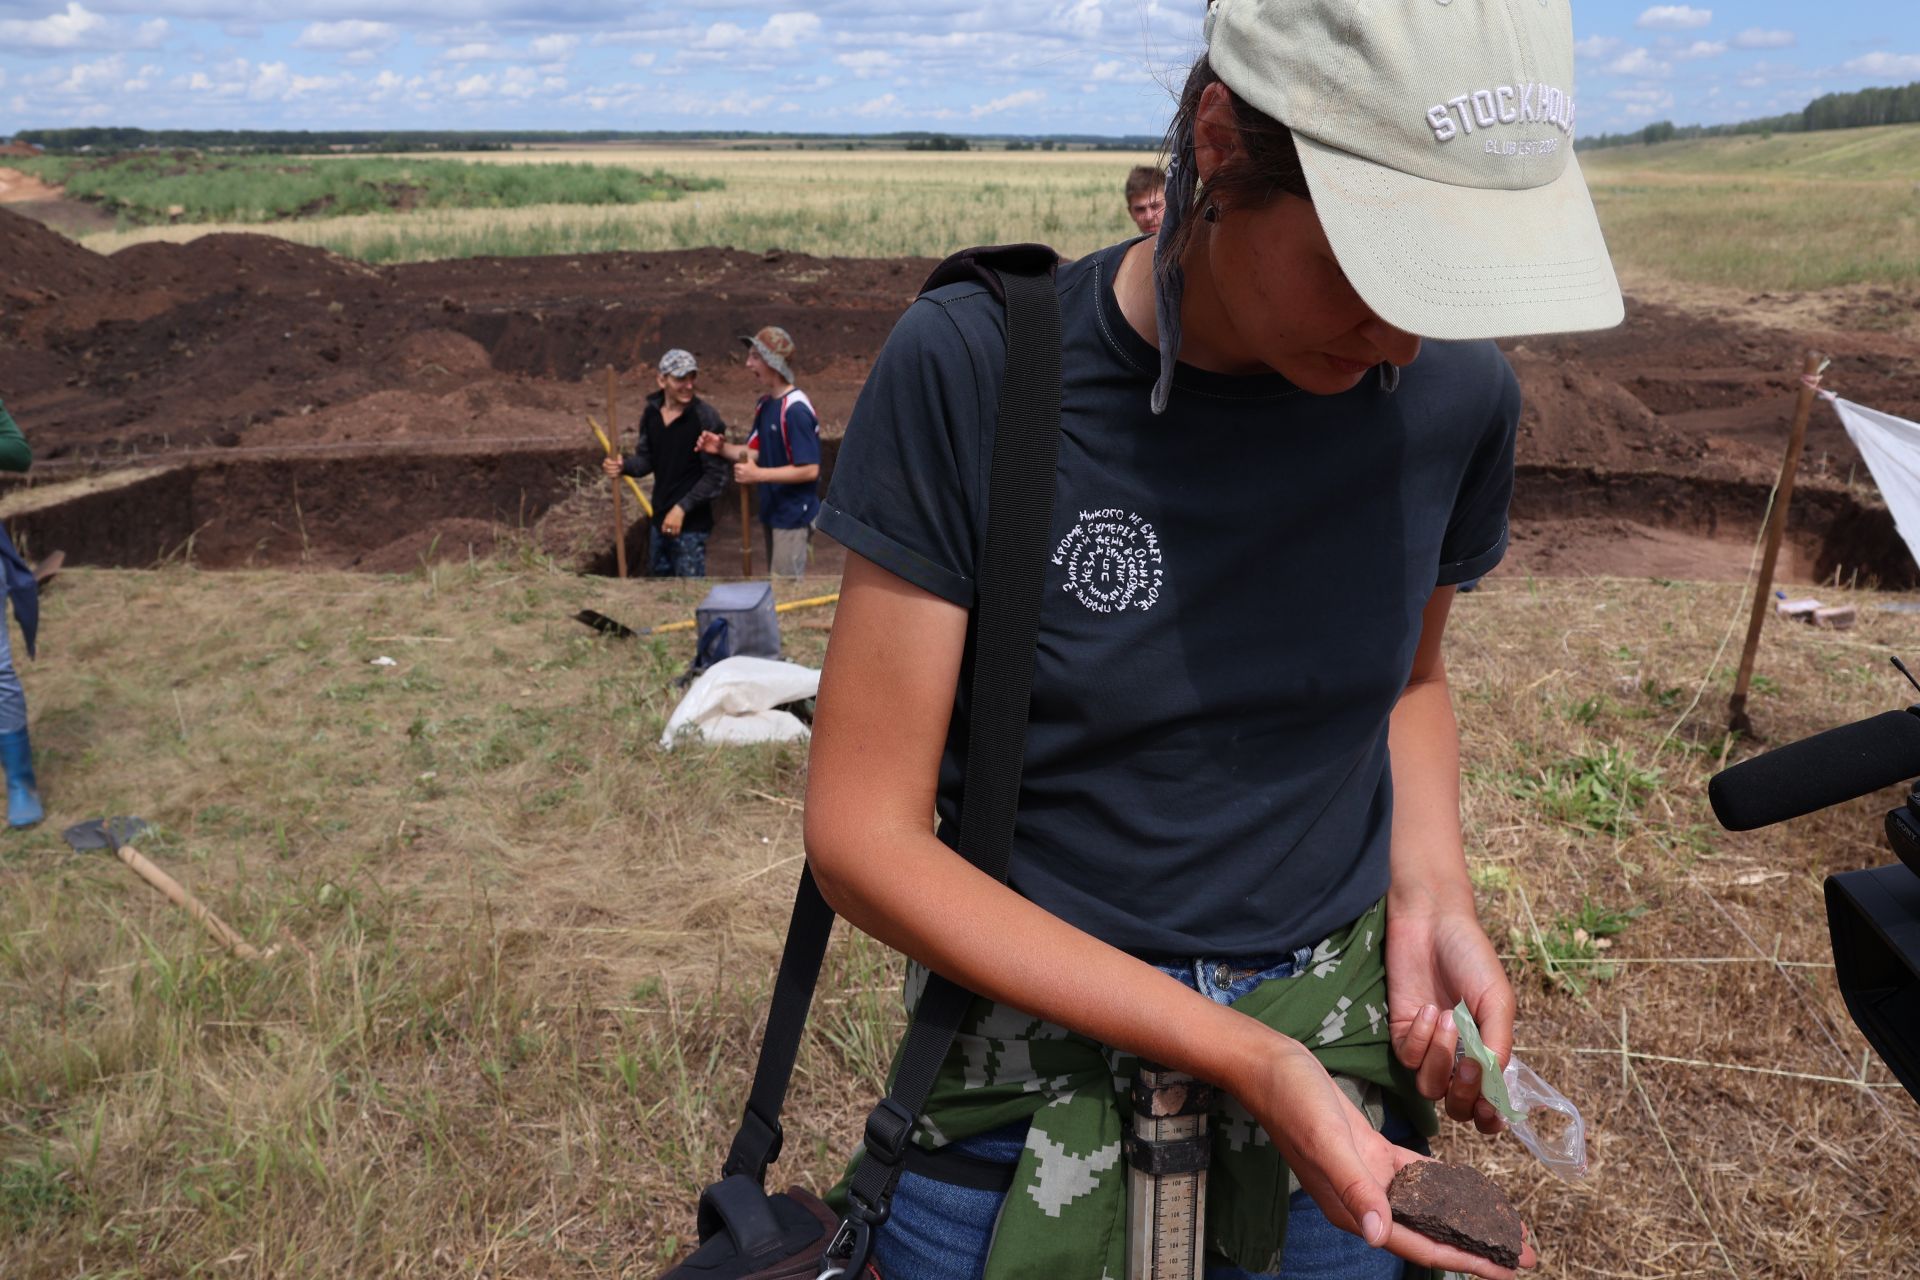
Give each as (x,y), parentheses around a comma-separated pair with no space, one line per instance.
(683,556)
(939,1231)
(13,699)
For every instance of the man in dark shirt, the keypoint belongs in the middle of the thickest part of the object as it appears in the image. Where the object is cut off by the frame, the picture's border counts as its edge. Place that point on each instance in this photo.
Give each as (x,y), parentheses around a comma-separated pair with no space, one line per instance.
(685,480)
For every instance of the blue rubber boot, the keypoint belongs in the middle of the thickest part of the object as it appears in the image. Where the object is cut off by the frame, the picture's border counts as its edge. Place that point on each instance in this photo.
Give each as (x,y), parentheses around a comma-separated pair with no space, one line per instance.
(23,793)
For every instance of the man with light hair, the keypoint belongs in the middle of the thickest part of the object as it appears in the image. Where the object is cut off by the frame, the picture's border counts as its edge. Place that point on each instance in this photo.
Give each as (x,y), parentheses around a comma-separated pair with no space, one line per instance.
(782,455)
(1146,198)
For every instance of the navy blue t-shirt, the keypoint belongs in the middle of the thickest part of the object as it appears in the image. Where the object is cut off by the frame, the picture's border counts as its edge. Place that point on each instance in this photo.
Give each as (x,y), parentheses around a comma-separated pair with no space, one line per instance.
(1233,602)
(787,506)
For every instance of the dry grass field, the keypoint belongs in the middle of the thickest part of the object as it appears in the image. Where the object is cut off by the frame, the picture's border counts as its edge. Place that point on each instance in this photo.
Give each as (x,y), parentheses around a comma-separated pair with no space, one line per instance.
(523,952)
(841,203)
(1788,212)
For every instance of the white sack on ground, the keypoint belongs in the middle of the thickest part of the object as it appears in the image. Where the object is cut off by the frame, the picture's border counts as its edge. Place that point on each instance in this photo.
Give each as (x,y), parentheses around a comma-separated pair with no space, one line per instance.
(734,701)
(1891,447)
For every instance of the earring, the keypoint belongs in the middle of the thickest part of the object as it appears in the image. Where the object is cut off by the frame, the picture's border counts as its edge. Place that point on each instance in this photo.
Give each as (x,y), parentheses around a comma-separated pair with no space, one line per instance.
(1212,212)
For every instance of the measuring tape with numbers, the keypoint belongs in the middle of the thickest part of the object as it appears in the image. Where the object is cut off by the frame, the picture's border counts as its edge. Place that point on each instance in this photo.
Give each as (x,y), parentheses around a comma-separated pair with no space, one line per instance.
(1167,1155)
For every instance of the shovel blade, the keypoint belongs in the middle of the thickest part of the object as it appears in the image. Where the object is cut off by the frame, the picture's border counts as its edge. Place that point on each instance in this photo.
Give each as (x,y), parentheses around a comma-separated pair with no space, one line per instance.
(104,833)
(606,626)
(88,835)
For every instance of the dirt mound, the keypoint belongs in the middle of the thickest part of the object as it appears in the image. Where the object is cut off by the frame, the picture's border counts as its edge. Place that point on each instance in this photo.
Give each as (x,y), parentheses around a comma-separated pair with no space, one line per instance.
(242,341)
(220,263)
(442,542)
(40,265)
(441,351)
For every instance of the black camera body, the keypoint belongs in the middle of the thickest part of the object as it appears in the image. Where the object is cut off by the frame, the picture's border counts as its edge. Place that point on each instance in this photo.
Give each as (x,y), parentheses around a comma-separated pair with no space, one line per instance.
(1873,916)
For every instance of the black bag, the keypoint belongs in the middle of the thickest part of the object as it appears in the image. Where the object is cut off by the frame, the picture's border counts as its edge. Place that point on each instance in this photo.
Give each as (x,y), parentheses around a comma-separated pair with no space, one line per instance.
(745,1233)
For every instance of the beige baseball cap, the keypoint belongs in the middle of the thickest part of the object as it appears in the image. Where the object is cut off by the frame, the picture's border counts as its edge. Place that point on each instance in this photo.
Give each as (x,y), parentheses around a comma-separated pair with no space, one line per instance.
(1437,139)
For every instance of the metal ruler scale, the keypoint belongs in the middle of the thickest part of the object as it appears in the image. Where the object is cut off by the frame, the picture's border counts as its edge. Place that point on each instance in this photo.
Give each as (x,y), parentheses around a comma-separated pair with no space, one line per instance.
(1167,1155)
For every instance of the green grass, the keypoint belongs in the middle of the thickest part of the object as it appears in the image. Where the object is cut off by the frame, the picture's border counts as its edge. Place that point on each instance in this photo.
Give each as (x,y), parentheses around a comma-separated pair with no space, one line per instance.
(1597,790)
(186,186)
(1569,952)
(1793,211)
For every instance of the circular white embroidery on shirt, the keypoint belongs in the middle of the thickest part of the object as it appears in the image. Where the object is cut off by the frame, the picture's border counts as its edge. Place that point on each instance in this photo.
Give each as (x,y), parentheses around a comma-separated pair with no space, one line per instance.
(1113,561)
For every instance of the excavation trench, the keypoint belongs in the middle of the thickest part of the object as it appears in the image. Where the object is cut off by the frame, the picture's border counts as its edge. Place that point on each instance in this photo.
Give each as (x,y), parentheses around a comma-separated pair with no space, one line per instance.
(391,511)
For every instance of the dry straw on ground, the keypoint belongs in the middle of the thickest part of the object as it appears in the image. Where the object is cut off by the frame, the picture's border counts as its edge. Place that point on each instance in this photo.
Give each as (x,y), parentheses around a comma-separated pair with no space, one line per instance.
(524,952)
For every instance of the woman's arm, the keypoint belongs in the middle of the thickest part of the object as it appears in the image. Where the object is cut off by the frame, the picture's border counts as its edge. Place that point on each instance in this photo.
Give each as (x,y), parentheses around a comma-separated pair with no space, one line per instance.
(1437,953)
(886,696)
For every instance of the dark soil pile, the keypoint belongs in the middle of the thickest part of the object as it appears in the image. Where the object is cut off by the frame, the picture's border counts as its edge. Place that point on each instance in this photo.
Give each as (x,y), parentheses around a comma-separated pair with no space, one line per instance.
(38,265)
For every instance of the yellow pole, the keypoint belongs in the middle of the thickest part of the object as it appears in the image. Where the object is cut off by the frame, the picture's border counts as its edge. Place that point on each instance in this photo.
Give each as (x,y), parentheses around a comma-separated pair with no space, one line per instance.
(638,493)
(811,603)
(619,520)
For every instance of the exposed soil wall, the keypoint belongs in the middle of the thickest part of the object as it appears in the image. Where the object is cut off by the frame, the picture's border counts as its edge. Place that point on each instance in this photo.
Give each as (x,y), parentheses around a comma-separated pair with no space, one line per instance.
(399,399)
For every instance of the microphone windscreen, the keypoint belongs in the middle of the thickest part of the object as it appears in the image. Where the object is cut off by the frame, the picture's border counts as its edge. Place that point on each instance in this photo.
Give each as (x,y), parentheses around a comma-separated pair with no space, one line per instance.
(1815,772)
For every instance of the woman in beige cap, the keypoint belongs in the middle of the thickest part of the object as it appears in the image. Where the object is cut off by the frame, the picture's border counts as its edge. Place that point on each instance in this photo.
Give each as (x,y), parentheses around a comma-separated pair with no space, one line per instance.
(1238,850)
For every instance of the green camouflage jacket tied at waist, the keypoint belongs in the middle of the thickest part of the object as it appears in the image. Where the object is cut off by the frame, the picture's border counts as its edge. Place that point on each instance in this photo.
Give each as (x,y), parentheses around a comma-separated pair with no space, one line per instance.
(1066,1213)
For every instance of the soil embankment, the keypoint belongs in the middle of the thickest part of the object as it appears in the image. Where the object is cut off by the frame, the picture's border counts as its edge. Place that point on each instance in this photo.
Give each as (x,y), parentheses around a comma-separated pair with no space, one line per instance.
(1644,451)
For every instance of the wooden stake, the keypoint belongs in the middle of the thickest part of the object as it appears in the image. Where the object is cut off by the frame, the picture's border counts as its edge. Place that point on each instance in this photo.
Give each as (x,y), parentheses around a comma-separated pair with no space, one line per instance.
(1776,530)
(619,520)
(222,932)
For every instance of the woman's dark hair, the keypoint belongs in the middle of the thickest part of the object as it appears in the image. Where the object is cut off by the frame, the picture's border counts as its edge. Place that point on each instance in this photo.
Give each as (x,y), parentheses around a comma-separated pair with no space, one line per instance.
(1266,166)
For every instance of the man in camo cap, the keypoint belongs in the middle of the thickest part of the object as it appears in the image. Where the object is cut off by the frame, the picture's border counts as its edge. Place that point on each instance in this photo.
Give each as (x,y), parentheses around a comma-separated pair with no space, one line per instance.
(686,480)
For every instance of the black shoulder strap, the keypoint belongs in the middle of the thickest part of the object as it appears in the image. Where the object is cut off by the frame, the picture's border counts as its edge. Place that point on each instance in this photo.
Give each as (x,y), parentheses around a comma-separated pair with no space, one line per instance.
(1006,620)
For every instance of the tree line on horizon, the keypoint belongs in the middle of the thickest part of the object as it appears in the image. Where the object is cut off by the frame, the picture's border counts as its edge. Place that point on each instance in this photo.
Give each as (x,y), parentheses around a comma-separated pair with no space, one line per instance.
(1860,109)
(114,138)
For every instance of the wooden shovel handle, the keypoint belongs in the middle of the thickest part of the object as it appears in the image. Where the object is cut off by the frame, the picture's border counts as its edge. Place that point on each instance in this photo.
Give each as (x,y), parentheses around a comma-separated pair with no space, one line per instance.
(167,885)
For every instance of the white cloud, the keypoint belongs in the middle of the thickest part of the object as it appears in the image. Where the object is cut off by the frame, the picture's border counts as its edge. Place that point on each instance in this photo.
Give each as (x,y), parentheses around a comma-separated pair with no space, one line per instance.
(1701,49)
(724,35)
(77,27)
(90,77)
(1643,103)
(1760,38)
(479,51)
(519,82)
(1638,62)
(865,63)
(782,31)
(1674,17)
(737,103)
(1597,46)
(1885,64)
(1081,18)
(884,105)
(349,36)
(554,48)
(473,86)
(1012,102)
(642,59)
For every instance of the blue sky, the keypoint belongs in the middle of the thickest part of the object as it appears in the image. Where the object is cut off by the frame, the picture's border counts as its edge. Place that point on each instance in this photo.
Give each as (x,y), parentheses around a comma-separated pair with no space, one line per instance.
(1025,66)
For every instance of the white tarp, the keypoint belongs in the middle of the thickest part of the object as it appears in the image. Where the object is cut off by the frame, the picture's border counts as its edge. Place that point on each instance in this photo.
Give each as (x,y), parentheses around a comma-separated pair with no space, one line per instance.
(733,701)
(1891,447)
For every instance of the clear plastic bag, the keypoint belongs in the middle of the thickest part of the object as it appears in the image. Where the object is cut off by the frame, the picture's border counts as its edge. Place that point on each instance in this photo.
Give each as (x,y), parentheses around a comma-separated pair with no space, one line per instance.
(1538,1114)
